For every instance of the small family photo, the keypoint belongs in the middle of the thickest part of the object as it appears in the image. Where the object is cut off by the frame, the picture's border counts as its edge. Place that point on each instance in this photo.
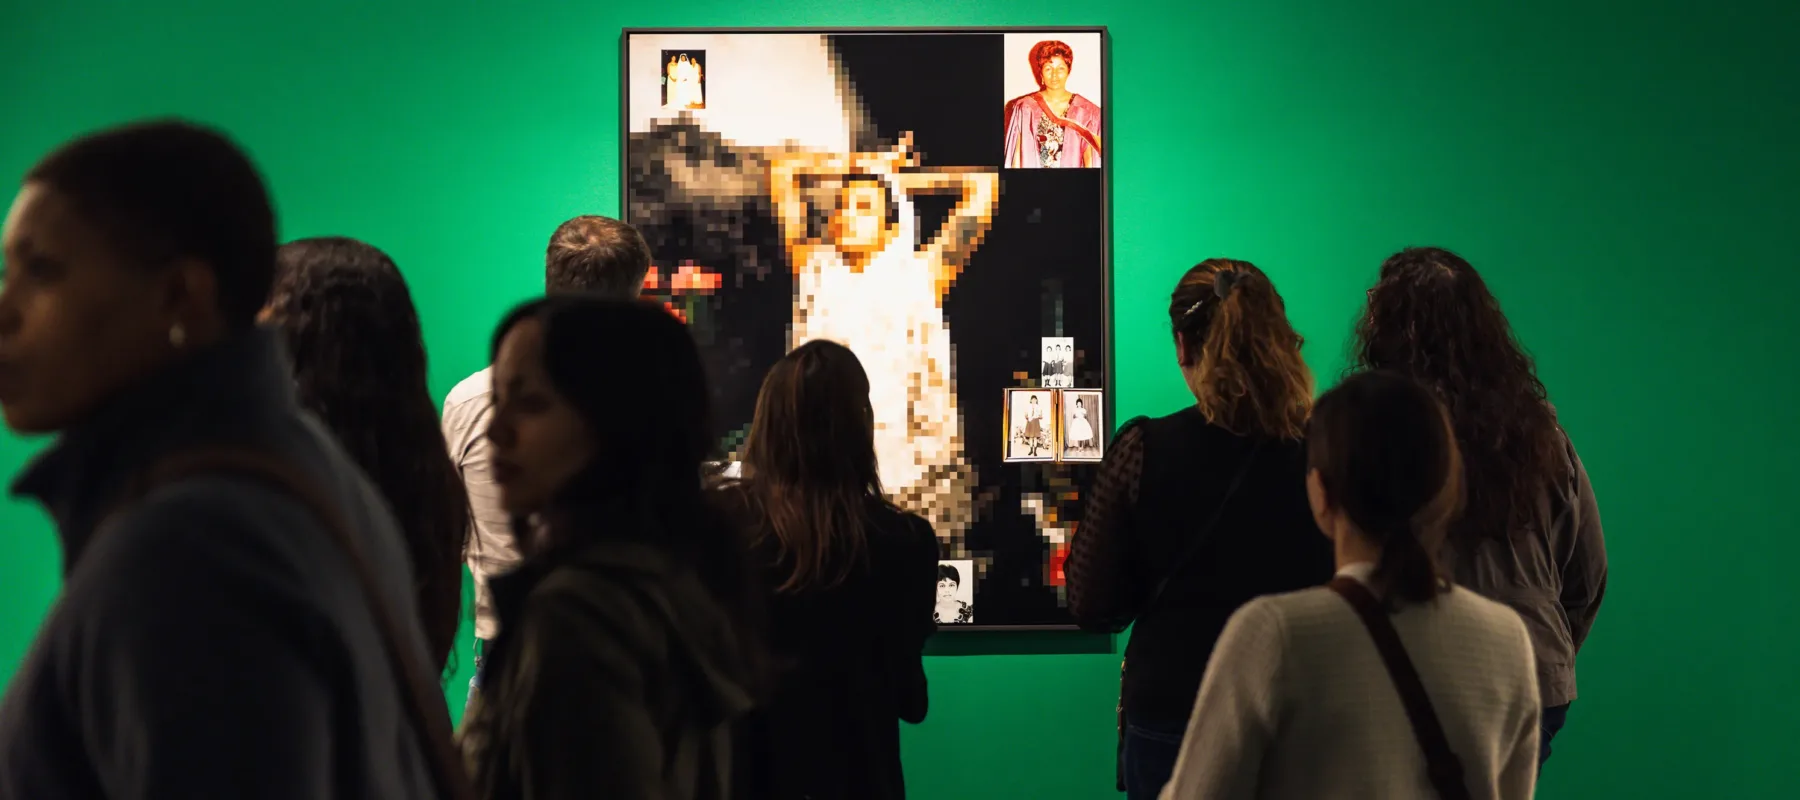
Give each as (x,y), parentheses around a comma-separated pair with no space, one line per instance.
(684,79)
(1082,422)
(955,593)
(1030,425)
(1053,118)
(1059,363)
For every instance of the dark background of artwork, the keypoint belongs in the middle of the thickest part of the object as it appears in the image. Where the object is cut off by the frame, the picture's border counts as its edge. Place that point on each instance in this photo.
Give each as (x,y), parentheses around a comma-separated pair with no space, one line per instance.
(1042,271)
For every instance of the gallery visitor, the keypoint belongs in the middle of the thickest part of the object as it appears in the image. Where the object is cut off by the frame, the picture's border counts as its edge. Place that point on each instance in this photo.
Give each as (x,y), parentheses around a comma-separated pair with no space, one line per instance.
(235,604)
(1193,514)
(1392,681)
(352,332)
(588,254)
(629,634)
(851,580)
(1531,536)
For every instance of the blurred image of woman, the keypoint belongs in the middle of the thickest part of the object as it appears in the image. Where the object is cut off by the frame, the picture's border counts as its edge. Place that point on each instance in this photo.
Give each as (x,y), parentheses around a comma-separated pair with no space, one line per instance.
(870,284)
(628,644)
(353,335)
(1052,127)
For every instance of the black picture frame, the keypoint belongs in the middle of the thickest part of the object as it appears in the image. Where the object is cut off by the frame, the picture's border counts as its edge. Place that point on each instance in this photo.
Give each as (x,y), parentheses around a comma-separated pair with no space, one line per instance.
(1109,384)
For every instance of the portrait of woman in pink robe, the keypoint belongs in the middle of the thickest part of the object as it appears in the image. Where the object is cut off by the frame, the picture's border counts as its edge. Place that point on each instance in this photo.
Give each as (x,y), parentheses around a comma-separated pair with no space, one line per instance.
(1052,127)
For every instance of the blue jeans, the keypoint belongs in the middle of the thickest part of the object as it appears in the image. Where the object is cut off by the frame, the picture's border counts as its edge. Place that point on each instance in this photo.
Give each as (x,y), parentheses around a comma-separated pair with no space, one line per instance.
(1151,748)
(1553,719)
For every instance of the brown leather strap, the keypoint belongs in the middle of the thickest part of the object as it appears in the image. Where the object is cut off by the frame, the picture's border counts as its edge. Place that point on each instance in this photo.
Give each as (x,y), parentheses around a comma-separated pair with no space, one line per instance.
(420,696)
(1445,768)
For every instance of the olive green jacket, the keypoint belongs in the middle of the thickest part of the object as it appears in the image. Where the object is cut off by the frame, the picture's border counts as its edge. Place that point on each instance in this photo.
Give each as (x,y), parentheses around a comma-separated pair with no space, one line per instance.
(615,675)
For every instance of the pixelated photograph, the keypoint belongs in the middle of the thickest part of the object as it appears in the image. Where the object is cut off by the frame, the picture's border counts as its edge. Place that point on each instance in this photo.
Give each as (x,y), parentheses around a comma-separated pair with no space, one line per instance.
(1053,91)
(1082,439)
(684,79)
(1059,363)
(842,186)
(955,593)
(1031,425)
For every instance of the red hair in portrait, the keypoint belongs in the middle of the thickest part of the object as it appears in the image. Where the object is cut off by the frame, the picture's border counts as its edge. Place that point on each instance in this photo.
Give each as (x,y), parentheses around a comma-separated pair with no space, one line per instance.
(1044,51)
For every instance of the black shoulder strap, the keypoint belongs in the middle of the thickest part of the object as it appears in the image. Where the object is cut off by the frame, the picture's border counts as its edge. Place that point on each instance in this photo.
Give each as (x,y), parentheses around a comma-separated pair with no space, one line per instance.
(1445,768)
(420,695)
(1199,540)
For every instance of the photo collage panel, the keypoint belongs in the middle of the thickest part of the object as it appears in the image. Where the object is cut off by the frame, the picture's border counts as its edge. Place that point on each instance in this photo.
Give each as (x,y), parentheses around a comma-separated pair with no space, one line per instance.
(934,201)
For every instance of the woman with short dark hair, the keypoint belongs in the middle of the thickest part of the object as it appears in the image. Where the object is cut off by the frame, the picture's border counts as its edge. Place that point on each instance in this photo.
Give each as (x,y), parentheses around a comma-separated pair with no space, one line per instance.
(1431,693)
(850,580)
(1531,537)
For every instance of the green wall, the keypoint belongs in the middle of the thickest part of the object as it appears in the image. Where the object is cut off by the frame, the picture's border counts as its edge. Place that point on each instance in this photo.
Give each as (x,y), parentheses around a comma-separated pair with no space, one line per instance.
(1625,174)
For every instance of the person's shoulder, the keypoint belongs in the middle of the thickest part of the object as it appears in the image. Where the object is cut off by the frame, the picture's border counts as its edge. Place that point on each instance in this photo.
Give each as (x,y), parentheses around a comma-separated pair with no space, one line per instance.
(475,388)
(898,528)
(1296,607)
(1013,104)
(612,592)
(211,530)
(1082,101)
(1485,613)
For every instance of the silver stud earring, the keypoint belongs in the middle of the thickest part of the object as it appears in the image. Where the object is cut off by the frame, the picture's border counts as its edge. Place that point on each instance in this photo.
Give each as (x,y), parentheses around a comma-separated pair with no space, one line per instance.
(177,335)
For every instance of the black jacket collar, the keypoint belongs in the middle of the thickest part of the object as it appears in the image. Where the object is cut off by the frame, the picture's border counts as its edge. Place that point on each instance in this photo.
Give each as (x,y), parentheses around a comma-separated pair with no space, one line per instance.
(226,392)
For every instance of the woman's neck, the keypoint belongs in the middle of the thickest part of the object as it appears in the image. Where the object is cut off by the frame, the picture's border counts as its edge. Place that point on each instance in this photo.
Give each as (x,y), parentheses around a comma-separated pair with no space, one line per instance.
(1352,548)
(1057,95)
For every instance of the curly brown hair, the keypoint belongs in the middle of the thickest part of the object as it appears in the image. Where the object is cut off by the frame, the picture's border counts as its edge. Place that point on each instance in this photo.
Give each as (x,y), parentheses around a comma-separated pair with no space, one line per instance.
(1431,317)
(1240,354)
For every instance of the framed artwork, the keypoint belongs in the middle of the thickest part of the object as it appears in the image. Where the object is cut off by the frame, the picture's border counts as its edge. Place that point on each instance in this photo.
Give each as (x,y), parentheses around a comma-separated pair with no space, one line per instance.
(1031,425)
(955,593)
(1081,439)
(937,200)
(1059,363)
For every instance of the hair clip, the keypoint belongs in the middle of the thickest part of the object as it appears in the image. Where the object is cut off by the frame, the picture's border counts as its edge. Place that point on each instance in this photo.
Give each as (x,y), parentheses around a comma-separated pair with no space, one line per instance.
(1225,281)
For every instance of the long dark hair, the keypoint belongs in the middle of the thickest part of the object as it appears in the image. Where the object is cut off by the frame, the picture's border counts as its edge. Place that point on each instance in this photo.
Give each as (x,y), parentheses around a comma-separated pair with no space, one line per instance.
(1382,447)
(1430,316)
(810,471)
(649,407)
(1240,354)
(359,363)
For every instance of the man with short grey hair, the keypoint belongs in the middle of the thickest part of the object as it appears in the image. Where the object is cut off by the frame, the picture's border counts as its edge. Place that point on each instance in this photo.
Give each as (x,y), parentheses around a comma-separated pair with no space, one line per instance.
(587,254)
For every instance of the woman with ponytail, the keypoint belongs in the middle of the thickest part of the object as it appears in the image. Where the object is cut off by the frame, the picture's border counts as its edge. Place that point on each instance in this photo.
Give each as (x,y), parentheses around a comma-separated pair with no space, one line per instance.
(1342,691)
(1195,513)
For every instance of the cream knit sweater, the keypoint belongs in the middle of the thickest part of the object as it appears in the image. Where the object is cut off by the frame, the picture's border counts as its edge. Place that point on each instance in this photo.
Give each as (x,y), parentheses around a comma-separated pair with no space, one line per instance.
(1297,704)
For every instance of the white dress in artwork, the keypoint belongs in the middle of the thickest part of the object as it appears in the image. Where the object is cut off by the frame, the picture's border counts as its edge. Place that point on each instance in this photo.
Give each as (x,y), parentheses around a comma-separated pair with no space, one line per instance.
(888,315)
(684,85)
(1080,432)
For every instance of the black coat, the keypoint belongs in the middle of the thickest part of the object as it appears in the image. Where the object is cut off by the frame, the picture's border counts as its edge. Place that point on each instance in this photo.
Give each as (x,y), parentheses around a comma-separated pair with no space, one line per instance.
(212,640)
(850,668)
